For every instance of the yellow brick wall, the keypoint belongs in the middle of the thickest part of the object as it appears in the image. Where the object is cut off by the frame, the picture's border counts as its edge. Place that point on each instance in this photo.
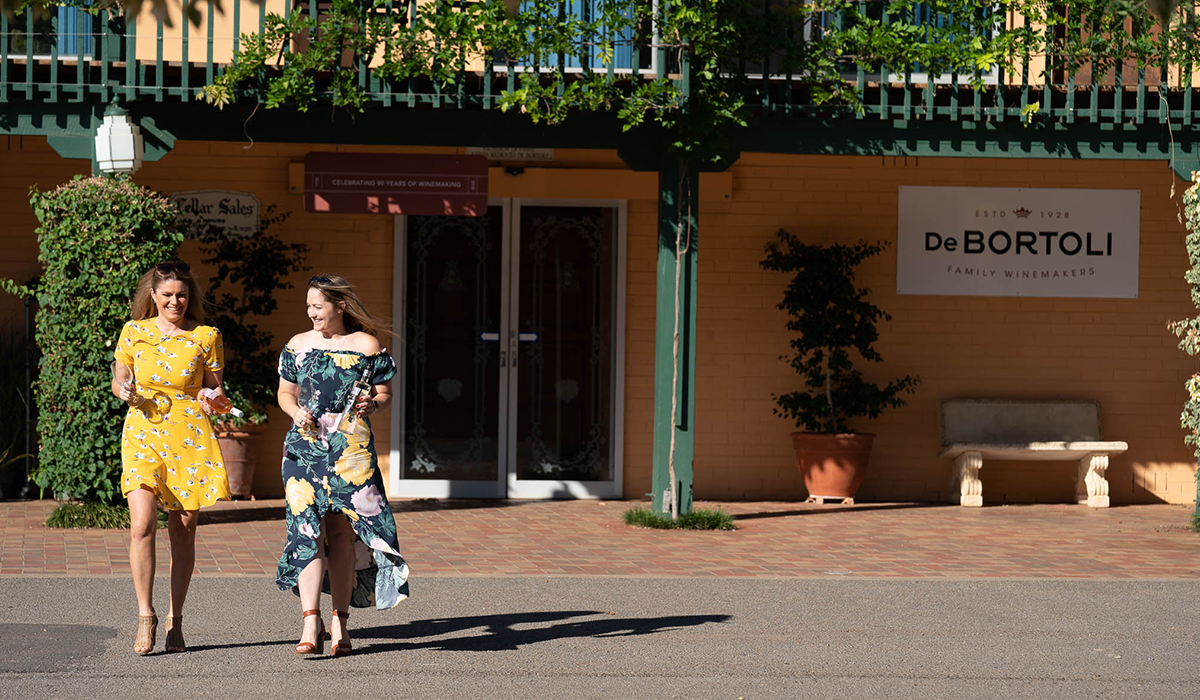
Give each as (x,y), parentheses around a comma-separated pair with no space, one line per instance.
(1117,352)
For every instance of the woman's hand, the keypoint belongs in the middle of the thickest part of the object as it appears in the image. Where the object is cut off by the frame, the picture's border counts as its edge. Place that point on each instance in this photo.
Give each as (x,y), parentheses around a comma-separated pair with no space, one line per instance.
(303,420)
(365,406)
(129,395)
(204,406)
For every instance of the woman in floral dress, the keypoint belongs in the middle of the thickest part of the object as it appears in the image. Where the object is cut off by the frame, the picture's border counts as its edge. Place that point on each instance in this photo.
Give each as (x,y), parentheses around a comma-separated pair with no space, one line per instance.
(169,455)
(338,519)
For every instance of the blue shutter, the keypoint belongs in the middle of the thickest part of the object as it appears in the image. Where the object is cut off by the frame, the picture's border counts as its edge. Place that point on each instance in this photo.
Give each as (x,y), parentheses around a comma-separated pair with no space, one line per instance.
(622,55)
(74,27)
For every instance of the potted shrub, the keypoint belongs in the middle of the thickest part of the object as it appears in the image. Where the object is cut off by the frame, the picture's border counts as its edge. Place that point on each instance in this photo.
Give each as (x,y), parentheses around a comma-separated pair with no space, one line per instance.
(249,270)
(831,317)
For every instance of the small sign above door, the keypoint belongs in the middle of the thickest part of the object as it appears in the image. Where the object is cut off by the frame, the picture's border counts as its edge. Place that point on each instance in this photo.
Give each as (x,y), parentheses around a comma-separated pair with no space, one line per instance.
(233,212)
(395,183)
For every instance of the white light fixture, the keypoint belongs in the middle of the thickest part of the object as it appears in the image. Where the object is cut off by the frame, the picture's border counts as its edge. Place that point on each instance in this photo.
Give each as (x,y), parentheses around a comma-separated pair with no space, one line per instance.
(119,146)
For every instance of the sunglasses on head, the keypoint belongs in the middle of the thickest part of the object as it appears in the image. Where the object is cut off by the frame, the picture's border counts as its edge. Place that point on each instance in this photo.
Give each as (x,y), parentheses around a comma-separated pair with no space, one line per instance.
(169,267)
(319,279)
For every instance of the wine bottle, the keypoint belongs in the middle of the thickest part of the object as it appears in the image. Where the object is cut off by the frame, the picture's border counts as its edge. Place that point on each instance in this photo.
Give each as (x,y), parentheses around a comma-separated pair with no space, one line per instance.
(348,420)
(219,403)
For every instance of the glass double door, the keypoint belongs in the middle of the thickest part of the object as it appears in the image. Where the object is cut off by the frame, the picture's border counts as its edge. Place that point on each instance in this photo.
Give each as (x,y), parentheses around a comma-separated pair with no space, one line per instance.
(512,359)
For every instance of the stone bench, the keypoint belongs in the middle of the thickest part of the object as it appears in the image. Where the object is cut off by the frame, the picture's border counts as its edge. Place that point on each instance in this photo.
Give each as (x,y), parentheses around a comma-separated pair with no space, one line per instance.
(974,429)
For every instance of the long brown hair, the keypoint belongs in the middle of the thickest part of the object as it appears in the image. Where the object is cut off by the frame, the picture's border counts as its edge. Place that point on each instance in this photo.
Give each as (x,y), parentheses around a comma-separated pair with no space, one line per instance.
(143,306)
(339,292)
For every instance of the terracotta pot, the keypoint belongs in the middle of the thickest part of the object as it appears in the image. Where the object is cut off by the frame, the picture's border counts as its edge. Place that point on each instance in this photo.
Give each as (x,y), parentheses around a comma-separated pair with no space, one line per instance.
(833,465)
(239,449)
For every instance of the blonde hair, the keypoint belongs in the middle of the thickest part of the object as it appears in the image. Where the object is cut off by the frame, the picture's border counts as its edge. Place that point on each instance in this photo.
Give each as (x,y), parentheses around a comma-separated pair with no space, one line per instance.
(339,292)
(143,306)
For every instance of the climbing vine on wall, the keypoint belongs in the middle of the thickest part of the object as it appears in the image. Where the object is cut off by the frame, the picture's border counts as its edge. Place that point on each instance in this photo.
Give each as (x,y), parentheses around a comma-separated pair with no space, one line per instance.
(705,51)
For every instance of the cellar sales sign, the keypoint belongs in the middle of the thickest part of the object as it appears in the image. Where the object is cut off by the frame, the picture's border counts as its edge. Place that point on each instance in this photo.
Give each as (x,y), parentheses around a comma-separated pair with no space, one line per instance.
(1000,241)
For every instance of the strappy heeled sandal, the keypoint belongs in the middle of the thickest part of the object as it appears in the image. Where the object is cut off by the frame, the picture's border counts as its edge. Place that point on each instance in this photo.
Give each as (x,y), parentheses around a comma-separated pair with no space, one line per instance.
(147,631)
(343,647)
(175,634)
(309,647)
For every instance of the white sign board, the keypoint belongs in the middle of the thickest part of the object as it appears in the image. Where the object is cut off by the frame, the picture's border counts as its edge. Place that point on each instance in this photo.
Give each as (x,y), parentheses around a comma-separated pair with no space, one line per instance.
(236,212)
(998,241)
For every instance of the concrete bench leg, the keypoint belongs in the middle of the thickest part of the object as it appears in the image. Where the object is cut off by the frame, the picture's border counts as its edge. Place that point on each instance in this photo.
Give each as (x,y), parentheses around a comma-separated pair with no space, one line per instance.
(1091,487)
(965,487)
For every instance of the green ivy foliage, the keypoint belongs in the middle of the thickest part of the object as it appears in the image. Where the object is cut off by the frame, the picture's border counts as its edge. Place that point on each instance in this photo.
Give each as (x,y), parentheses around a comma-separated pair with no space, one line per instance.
(97,237)
(707,51)
(1188,330)
(830,316)
(249,271)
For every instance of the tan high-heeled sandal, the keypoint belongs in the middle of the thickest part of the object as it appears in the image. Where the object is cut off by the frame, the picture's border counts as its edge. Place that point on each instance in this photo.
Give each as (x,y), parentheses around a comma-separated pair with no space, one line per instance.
(342,648)
(175,634)
(147,631)
(309,647)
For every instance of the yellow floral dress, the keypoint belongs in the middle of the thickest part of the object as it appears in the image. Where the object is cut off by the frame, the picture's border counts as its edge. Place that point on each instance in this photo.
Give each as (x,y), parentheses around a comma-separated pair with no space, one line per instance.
(167,443)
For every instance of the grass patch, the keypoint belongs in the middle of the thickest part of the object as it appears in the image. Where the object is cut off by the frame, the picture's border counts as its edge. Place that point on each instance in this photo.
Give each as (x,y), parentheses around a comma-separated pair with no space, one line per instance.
(92,514)
(698,519)
(1195,524)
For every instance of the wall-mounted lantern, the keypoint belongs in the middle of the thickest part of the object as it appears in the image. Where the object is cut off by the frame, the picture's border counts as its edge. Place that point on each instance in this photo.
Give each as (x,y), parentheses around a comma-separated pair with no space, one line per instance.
(119,147)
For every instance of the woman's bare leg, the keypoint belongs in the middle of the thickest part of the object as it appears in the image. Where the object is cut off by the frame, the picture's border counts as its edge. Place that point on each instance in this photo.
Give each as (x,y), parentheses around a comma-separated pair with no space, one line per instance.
(143,522)
(310,593)
(340,536)
(181,526)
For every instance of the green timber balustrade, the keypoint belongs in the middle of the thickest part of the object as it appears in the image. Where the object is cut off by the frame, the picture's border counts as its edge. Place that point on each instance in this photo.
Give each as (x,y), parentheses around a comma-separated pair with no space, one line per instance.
(77,55)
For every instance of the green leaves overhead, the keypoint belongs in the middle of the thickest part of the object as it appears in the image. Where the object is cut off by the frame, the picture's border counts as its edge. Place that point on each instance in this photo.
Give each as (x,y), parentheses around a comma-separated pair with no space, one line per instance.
(697,61)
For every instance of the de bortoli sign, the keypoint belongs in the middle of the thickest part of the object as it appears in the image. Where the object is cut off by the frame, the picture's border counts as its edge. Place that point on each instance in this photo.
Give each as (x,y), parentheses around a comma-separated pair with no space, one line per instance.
(999,241)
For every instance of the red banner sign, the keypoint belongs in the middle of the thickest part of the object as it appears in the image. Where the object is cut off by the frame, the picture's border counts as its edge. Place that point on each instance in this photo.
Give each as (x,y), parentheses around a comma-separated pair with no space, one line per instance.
(395,183)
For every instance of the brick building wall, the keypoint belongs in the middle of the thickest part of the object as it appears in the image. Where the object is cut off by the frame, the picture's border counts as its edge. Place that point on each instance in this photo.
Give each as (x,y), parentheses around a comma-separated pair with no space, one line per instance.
(1117,352)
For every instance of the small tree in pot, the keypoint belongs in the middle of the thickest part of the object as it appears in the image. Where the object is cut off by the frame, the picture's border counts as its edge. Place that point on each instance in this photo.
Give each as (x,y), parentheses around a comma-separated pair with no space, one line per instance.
(831,316)
(249,272)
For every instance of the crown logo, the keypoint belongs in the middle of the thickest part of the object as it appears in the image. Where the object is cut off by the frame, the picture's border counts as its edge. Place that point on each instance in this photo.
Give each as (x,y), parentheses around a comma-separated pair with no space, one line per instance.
(1022,213)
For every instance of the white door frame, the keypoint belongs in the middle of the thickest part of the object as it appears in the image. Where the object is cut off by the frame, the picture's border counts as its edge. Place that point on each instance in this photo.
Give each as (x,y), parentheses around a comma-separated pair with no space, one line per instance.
(506,485)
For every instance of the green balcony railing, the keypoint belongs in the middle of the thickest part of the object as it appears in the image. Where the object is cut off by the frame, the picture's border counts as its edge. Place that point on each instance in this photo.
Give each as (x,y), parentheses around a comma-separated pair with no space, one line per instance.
(73,55)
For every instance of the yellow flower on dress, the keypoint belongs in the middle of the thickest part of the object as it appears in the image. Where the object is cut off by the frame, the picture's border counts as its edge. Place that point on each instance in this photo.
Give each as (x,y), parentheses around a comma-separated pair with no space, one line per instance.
(343,360)
(350,514)
(354,467)
(300,495)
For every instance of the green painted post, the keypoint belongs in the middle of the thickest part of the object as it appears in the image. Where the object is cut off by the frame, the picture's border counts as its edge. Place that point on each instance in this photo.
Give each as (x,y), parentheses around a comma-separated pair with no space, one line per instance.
(675,364)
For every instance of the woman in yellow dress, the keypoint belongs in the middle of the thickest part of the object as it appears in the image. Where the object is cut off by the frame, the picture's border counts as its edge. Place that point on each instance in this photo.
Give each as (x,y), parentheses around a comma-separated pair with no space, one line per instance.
(164,357)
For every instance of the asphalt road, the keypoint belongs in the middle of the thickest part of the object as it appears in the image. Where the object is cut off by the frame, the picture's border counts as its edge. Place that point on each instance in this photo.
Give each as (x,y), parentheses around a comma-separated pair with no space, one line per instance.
(499,637)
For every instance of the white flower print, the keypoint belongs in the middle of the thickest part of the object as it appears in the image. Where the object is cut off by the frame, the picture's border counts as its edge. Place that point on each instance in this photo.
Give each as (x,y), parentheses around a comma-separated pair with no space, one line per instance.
(378,543)
(307,530)
(367,501)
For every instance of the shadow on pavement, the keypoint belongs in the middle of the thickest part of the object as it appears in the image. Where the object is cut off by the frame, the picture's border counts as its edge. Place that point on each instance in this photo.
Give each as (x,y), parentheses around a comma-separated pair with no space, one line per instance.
(499,634)
(248,514)
(239,645)
(822,510)
(250,511)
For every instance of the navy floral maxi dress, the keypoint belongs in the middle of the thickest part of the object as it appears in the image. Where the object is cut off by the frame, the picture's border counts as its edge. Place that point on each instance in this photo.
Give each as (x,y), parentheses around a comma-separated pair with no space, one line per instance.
(325,471)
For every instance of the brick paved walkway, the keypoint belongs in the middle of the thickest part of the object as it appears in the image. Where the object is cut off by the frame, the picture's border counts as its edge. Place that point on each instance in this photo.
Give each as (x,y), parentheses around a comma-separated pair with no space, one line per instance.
(587,538)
